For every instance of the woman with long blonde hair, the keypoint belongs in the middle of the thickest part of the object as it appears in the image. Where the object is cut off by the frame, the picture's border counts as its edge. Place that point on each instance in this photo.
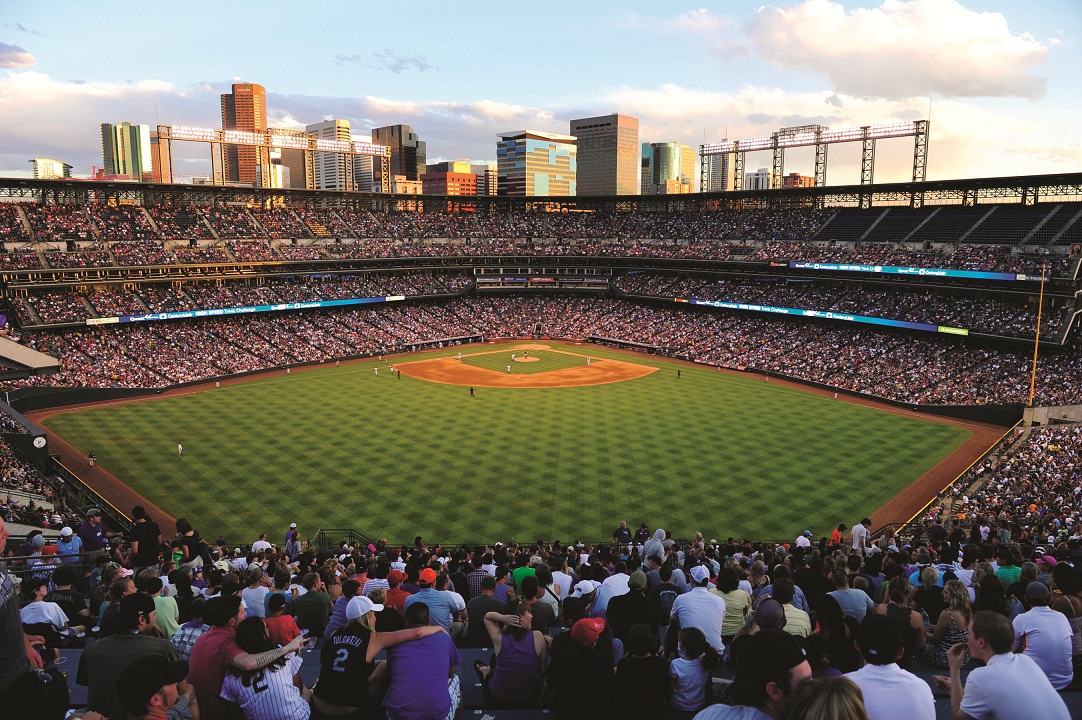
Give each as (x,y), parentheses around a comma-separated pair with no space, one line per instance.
(826,698)
(953,624)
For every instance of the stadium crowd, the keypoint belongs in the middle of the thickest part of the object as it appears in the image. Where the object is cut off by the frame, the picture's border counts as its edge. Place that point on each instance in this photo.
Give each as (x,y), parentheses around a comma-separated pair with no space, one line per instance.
(897,366)
(640,627)
(975,313)
(745,235)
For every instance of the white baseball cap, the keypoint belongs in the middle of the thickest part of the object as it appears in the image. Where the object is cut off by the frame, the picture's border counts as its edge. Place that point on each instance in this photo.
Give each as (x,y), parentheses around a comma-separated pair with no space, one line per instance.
(700,573)
(360,606)
(66,532)
(585,587)
(292,526)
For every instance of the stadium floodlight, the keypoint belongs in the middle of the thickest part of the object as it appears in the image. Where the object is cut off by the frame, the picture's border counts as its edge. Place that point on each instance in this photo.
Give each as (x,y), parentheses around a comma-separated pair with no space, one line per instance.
(337,146)
(371,149)
(289,141)
(819,136)
(182,132)
(242,137)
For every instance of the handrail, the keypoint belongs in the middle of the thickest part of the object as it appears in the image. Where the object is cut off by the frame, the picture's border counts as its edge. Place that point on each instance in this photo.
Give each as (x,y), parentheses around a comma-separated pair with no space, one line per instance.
(908,524)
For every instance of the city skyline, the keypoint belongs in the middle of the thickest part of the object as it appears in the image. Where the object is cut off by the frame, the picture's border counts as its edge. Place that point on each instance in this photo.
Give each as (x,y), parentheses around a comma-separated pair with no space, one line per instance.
(996,77)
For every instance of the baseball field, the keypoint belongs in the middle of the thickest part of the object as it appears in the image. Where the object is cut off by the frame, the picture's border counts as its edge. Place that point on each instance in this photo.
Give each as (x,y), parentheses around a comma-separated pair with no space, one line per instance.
(562,441)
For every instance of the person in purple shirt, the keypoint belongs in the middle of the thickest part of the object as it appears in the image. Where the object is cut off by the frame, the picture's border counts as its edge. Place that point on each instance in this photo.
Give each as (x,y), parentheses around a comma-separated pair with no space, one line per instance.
(423,684)
(93,534)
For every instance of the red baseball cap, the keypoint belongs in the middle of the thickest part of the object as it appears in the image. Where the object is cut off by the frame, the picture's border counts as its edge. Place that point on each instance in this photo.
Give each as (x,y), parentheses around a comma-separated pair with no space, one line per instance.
(587,630)
(427,577)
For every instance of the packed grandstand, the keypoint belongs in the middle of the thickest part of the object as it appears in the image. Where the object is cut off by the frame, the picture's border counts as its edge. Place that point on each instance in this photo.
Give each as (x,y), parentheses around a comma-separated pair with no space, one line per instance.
(936,307)
(72,268)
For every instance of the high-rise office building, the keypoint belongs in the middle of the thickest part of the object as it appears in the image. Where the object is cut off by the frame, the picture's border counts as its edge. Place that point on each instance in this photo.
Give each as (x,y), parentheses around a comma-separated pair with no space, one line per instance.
(668,168)
(532,163)
(49,169)
(364,173)
(333,171)
(486,178)
(160,162)
(761,179)
(408,151)
(298,166)
(608,162)
(125,151)
(245,109)
(717,173)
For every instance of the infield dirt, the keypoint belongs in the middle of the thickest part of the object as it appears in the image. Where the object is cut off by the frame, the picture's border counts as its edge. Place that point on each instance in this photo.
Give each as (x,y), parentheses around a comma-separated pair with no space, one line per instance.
(451,371)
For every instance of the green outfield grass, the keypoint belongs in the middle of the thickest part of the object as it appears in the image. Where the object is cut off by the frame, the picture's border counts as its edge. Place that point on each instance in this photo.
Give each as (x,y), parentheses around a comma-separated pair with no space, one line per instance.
(342,447)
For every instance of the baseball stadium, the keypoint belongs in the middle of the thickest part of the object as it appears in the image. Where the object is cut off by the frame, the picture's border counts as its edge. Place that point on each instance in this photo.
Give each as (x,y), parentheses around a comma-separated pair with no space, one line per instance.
(387,366)
(360,376)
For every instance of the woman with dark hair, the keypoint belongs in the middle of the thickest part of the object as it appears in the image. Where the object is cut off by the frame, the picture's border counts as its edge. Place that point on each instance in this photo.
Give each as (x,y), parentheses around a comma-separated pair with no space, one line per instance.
(737,603)
(192,546)
(517,671)
(840,630)
(908,620)
(281,677)
(182,581)
(991,596)
(1067,582)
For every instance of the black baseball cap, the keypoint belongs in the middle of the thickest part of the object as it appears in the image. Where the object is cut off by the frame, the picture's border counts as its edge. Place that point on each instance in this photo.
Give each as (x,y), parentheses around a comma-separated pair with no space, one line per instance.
(144,678)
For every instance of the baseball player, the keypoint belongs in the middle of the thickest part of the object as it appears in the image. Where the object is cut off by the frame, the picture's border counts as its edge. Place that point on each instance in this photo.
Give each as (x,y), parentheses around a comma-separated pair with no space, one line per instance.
(180,450)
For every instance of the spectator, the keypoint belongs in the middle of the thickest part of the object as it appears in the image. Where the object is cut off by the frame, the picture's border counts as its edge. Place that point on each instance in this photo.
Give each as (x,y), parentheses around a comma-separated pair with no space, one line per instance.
(890,693)
(1009,686)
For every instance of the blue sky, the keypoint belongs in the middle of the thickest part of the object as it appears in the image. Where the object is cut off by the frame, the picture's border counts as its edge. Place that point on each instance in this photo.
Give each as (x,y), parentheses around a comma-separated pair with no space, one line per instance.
(1000,78)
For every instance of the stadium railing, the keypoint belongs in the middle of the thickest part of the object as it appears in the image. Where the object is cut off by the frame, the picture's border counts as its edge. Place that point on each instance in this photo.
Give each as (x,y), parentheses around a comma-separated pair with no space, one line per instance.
(907,528)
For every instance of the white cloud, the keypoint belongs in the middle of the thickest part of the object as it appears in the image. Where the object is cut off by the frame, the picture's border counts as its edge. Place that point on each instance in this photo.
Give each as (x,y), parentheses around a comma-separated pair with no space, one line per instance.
(963,142)
(696,21)
(13,56)
(43,117)
(902,49)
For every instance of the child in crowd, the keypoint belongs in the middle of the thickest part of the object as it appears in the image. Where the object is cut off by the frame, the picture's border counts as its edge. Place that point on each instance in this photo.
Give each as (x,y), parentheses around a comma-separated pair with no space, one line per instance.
(690,672)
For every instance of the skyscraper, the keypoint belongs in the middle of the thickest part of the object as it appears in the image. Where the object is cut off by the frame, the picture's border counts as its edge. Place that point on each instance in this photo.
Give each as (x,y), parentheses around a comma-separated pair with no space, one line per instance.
(125,151)
(333,171)
(607,154)
(531,163)
(671,168)
(245,109)
(717,173)
(408,151)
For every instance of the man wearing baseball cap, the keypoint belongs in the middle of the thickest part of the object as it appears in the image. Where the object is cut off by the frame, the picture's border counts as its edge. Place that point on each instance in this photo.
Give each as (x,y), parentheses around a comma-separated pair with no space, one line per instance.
(94,536)
(580,681)
(69,546)
(102,662)
(396,596)
(155,685)
(700,608)
(442,608)
(769,668)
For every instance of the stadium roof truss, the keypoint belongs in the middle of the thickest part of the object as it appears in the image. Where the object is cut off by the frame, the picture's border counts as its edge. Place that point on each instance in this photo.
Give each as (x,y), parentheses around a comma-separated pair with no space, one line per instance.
(264,142)
(1026,190)
(819,137)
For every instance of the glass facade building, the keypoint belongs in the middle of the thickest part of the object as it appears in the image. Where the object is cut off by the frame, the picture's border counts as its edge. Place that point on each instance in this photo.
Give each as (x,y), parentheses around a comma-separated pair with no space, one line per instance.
(531,163)
(667,168)
(125,151)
